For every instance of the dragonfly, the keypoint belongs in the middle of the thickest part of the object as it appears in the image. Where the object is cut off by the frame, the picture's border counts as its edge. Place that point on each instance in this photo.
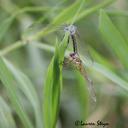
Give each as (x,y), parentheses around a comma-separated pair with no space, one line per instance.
(75,60)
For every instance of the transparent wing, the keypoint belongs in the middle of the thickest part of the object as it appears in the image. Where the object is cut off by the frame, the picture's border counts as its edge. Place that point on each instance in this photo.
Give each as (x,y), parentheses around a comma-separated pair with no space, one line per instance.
(89,83)
(88,57)
(35,26)
(84,51)
(77,63)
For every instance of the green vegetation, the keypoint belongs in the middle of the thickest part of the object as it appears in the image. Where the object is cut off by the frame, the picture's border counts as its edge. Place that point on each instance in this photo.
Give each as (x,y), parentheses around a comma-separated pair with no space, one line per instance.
(37,89)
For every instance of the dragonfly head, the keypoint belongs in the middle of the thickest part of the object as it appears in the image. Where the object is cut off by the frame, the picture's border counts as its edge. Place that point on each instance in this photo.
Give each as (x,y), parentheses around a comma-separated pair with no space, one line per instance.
(71,29)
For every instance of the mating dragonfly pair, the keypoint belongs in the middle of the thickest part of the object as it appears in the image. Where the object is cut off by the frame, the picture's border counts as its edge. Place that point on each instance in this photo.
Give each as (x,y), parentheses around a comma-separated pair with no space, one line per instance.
(75,60)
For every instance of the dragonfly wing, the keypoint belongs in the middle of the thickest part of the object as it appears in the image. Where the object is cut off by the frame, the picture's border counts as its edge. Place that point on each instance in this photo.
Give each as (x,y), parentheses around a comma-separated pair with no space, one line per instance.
(90,85)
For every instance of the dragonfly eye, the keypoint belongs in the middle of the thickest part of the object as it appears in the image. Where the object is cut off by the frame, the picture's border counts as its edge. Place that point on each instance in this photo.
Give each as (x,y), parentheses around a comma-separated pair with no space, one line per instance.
(71,29)
(66,29)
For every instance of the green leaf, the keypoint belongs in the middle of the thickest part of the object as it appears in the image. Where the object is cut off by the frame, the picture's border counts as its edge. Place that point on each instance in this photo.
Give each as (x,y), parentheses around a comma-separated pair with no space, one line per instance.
(9,83)
(114,39)
(101,59)
(107,73)
(111,76)
(68,13)
(91,10)
(53,85)
(121,13)
(29,91)
(6,117)
(4,26)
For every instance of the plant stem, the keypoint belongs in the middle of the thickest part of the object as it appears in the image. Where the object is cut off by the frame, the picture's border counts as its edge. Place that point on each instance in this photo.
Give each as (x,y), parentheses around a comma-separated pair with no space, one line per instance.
(20,44)
(12,47)
(117,13)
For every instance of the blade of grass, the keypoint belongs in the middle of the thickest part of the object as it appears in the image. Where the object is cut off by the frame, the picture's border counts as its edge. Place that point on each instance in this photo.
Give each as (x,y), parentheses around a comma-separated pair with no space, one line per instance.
(68,13)
(115,40)
(9,83)
(117,13)
(10,48)
(28,89)
(53,85)
(102,60)
(93,9)
(77,12)
(36,63)
(111,76)
(4,26)
(107,73)
(6,118)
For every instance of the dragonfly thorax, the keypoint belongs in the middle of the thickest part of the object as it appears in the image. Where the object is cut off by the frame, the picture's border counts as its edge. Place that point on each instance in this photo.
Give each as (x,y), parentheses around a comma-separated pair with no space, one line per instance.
(71,29)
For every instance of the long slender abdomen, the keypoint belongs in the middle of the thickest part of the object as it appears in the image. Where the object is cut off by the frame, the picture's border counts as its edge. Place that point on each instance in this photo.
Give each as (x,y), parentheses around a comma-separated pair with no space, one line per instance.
(74,44)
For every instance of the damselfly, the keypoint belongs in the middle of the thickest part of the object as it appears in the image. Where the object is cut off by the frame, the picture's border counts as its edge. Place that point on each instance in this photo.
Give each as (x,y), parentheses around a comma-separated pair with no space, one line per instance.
(75,60)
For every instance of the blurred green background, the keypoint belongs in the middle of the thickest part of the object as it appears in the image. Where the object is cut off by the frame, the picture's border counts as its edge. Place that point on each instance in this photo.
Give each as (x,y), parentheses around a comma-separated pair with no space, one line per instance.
(28,33)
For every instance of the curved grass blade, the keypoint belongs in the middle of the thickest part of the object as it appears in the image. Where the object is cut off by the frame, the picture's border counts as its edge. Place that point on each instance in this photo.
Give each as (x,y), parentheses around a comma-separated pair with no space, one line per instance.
(101,59)
(9,83)
(115,40)
(111,75)
(107,73)
(77,12)
(93,9)
(68,13)
(121,13)
(6,117)
(53,85)
(29,91)
(4,26)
